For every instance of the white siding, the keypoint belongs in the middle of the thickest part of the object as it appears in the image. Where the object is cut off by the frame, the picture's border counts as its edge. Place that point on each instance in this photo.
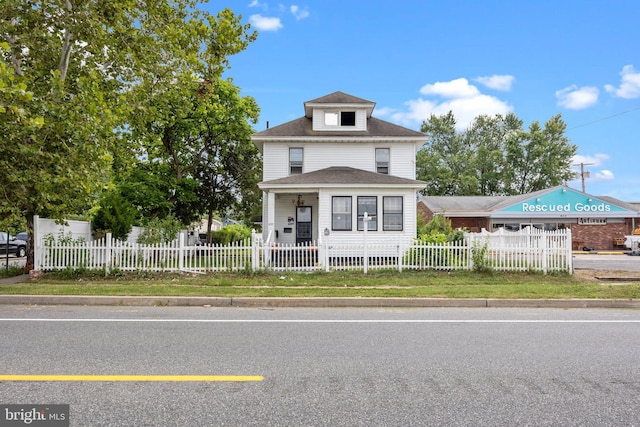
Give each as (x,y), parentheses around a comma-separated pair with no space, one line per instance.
(321,155)
(409,215)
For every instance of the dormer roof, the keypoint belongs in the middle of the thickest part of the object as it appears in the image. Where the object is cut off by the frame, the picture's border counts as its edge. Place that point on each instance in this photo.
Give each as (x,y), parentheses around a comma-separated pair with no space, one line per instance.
(338,100)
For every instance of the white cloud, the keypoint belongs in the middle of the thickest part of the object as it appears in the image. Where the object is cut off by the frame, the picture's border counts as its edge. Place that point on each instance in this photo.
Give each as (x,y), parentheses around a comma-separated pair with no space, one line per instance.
(299,13)
(629,85)
(465,100)
(254,3)
(496,82)
(574,98)
(603,175)
(265,23)
(595,160)
(458,88)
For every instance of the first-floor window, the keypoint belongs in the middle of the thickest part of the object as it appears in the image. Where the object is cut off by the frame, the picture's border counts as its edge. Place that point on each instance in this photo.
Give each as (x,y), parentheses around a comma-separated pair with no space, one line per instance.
(392,213)
(341,213)
(368,204)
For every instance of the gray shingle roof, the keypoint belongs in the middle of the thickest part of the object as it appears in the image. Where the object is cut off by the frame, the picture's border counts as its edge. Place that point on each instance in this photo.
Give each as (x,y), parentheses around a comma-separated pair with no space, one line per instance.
(302,128)
(339,98)
(338,175)
(487,204)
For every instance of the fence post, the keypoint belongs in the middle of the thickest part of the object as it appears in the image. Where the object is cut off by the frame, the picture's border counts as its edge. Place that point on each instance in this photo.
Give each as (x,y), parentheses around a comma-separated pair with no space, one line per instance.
(34,241)
(545,252)
(181,236)
(326,254)
(568,248)
(365,222)
(399,254)
(108,254)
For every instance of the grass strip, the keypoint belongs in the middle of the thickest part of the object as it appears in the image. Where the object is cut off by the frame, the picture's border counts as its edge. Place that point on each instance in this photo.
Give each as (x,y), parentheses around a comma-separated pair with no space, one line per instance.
(377,283)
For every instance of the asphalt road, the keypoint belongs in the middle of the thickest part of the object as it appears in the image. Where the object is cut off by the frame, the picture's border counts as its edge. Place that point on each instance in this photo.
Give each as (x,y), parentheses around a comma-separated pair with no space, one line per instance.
(607,262)
(328,367)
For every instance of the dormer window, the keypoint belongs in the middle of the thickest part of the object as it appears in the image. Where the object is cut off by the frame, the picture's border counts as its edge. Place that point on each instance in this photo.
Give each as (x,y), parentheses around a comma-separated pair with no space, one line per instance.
(331,119)
(342,118)
(347,118)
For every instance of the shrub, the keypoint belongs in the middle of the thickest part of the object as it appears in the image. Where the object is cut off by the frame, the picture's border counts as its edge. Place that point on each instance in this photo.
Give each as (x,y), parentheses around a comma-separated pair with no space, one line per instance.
(231,233)
(160,231)
(115,216)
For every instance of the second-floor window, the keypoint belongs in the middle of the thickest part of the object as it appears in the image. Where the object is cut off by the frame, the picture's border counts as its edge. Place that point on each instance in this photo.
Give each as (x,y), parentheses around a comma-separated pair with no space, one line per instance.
(296,156)
(382,160)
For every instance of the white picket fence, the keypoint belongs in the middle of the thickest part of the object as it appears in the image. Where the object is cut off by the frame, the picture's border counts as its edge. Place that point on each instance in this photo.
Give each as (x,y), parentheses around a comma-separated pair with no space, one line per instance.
(527,250)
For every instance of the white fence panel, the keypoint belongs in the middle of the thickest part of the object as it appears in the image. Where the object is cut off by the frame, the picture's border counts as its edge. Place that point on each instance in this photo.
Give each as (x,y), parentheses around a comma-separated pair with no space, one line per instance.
(524,251)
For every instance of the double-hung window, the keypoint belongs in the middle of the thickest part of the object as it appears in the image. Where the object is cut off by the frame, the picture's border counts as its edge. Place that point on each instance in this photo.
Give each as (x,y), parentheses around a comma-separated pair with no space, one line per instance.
(392,213)
(296,156)
(368,204)
(382,160)
(341,213)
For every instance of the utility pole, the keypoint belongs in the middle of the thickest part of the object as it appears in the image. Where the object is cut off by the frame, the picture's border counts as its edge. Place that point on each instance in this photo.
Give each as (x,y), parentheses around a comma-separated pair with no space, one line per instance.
(584,174)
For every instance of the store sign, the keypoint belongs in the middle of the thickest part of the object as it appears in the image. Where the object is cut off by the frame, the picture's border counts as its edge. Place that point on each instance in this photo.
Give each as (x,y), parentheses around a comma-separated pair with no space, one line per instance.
(568,207)
(564,201)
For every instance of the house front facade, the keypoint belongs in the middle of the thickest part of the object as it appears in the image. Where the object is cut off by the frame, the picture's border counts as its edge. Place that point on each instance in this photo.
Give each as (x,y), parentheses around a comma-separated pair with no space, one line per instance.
(336,170)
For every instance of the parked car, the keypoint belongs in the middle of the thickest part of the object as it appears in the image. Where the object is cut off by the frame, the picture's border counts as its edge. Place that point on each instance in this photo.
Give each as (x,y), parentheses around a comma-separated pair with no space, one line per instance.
(16,246)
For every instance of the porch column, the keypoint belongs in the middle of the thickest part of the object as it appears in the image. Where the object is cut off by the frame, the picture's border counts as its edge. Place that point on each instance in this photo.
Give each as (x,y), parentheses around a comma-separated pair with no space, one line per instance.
(271,214)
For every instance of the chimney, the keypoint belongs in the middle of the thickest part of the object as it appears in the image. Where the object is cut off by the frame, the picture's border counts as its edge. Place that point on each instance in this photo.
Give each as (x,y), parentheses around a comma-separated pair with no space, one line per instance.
(267,124)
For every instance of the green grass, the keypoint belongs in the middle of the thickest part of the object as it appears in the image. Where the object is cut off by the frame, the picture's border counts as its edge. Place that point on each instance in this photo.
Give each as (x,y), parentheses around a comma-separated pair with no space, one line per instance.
(427,284)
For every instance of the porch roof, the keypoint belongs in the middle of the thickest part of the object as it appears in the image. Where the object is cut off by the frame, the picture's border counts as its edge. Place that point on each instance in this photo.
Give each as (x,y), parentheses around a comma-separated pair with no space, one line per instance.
(341,176)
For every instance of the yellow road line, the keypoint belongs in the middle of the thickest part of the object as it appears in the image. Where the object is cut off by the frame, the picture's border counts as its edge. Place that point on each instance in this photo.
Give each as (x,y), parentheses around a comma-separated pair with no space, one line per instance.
(178,378)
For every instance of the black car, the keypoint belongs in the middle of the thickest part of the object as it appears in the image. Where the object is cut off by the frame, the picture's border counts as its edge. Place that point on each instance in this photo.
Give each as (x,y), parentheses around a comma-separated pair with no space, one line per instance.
(16,246)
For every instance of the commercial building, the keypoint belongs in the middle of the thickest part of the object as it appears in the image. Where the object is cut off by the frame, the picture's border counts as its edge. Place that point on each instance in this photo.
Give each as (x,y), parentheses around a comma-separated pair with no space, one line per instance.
(596,222)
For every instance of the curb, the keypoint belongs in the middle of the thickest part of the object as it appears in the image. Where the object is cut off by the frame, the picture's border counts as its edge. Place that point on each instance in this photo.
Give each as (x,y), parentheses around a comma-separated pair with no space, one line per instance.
(319,302)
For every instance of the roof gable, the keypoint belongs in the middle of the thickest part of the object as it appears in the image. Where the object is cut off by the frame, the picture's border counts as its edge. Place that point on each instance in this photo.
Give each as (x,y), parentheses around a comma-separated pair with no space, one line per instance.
(338,100)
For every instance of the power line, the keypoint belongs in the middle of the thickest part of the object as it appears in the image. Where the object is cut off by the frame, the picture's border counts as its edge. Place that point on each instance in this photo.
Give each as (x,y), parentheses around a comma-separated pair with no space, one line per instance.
(603,118)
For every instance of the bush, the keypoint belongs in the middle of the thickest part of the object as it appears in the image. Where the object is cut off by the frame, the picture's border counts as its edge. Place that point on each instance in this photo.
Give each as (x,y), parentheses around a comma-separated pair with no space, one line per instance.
(115,216)
(160,231)
(231,233)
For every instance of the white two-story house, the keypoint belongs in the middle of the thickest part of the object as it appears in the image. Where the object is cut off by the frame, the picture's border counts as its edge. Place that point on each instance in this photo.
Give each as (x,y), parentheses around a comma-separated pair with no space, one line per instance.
(323,171)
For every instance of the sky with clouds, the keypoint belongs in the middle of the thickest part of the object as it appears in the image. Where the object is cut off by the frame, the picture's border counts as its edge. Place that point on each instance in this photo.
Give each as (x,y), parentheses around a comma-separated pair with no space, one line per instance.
(580,59)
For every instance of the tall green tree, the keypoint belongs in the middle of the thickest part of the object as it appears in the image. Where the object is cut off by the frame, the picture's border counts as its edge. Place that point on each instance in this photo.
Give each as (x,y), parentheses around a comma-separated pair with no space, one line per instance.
(539,158)
(494,156)
(87,65)
(445,161)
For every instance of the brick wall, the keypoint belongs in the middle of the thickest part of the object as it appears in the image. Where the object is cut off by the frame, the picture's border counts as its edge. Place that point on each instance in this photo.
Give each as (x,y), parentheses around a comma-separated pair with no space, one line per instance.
(599,236)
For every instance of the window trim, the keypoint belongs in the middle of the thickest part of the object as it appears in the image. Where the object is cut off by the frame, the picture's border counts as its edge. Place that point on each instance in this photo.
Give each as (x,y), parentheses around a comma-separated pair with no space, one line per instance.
(349,214)
(338,118)
(386,213)
(372,215)
(378,166)
(293,165)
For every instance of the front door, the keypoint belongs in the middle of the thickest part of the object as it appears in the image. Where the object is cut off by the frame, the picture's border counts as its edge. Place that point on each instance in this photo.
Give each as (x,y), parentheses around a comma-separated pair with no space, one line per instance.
(303,225)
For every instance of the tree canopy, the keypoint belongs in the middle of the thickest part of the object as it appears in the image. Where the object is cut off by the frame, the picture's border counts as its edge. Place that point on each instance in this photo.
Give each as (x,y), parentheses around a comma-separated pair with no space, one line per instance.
(91,91)
(493,156)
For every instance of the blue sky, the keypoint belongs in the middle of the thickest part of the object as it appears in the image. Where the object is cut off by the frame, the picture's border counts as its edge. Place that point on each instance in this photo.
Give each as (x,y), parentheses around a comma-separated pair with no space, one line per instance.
(413,58)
